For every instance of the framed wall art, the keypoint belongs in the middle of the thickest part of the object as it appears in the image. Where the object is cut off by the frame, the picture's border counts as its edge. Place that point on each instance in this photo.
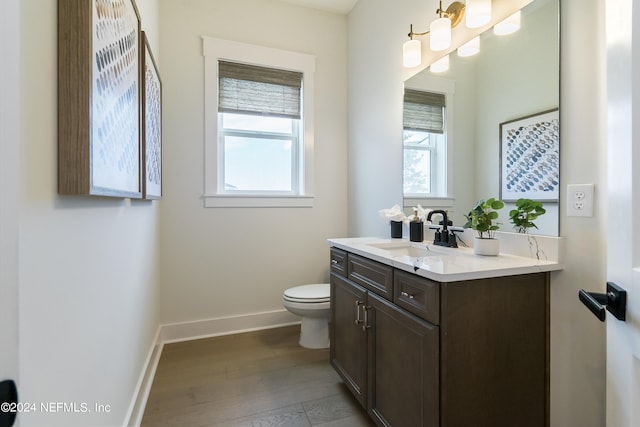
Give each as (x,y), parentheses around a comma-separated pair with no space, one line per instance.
(99,98)
(530,157)
(151,124)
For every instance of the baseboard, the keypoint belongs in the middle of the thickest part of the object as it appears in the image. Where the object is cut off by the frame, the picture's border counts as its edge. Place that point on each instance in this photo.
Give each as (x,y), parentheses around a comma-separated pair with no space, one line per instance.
(185,331)
(139,402)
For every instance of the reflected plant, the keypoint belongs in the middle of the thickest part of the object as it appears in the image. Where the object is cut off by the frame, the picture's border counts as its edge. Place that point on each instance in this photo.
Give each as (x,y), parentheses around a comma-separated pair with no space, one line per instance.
(525,213)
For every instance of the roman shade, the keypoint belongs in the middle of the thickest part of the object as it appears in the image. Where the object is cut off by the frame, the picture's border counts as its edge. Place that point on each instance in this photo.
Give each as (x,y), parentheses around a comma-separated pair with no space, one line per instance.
(423,111)
(251,89)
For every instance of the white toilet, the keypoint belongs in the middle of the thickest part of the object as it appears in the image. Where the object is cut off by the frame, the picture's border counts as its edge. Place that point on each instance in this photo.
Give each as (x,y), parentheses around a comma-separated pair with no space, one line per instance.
(311,302)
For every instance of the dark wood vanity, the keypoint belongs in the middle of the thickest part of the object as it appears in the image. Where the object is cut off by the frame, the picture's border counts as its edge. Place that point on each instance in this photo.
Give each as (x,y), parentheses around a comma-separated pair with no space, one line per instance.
(417,352)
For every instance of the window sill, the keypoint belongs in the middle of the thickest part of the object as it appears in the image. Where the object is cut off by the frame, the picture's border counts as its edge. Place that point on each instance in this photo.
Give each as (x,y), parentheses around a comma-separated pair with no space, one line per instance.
(429,202)
(219,201)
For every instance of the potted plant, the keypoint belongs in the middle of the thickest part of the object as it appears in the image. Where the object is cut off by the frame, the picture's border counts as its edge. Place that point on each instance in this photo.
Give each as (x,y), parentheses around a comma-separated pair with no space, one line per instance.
(525,212)
(481,218)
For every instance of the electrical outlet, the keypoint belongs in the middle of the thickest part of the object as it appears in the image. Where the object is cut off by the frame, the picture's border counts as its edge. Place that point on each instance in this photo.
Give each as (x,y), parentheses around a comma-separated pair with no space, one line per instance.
(580,200)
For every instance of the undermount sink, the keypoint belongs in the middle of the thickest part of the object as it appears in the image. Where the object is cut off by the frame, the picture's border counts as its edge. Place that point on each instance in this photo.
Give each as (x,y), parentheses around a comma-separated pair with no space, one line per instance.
(409,249)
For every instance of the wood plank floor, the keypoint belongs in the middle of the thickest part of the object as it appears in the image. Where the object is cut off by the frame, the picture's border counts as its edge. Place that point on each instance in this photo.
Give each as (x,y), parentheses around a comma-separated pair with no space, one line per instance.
(259,378)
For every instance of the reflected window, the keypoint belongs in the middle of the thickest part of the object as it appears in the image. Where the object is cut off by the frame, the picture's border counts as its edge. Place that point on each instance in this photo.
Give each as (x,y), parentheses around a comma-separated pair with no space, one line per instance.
(424,144)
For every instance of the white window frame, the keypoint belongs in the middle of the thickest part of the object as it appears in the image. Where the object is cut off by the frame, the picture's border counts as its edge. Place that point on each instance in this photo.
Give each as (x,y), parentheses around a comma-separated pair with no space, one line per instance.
(438,164)
(428,83)
(214,50)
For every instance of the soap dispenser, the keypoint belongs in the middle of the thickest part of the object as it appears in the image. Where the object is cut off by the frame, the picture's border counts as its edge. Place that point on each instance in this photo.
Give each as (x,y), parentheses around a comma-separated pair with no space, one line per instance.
(416,228)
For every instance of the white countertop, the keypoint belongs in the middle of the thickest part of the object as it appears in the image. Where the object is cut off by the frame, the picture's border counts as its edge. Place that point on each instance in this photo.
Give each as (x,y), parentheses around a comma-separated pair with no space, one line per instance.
(443,264)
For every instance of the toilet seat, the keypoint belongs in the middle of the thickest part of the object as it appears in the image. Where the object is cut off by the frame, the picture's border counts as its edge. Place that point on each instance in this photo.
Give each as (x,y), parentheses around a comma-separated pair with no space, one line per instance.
(309,294)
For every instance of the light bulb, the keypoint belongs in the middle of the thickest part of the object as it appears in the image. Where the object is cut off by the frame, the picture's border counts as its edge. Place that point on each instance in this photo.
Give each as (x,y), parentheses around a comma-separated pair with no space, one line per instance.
(478,13)
(411,53)
(440,34)
(441,65)
(470,48)
(508,26)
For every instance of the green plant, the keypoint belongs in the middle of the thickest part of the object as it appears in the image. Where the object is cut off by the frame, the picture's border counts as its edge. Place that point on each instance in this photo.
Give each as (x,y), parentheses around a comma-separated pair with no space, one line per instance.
(525,212)
(481,217)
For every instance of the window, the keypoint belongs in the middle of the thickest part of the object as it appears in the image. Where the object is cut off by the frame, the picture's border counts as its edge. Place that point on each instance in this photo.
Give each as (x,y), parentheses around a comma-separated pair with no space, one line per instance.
(424,144)
(258,129)
(259,126)
(258,154)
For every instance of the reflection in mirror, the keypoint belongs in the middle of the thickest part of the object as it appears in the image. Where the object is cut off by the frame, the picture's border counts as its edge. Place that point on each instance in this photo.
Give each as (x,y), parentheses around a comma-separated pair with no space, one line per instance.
(513,77)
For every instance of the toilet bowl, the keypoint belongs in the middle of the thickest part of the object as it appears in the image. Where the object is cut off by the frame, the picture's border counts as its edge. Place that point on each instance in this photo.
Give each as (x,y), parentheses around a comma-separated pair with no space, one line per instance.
(311,302)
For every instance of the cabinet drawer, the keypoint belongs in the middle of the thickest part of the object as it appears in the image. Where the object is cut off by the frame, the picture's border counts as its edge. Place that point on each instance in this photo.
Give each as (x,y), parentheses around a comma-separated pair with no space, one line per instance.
(375,276)
(417,295)
(338,261)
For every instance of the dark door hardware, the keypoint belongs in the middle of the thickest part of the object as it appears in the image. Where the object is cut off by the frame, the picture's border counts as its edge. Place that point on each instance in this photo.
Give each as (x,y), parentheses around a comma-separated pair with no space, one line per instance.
(9,400)
(615,301)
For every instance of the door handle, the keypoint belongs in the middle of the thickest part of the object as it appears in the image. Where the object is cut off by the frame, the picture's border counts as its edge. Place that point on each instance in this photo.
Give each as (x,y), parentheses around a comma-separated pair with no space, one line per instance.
(358,320)
(365,324)
(614,301)
(9,401)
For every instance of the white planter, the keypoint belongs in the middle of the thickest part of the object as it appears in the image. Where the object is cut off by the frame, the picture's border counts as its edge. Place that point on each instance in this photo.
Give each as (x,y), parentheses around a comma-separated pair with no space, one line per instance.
(489,247)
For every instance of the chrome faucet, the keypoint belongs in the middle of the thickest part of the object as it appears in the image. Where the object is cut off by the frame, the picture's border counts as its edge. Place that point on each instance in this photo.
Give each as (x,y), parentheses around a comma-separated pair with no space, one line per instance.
(443,237)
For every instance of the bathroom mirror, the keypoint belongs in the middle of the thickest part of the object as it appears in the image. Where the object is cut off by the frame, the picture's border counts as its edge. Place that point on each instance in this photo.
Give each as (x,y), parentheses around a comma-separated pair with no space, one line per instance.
(513,77)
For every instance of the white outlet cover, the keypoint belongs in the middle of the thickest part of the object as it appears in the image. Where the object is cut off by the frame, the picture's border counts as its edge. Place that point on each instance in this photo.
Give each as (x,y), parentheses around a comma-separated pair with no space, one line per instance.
(580,200)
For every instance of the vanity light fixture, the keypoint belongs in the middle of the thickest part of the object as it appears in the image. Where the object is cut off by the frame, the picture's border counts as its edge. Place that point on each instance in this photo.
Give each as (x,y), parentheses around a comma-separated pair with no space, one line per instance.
(441,65)
(508,26)
(440,30)
(470,48)
(478,13)
(411,53)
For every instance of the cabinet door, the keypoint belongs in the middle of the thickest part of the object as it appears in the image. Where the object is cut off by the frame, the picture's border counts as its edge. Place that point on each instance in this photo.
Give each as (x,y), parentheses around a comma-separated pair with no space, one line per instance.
(348,351)
(403,367)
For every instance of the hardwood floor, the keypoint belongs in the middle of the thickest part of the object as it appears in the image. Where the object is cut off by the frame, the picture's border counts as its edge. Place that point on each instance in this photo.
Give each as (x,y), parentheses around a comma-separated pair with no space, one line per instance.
(259,378)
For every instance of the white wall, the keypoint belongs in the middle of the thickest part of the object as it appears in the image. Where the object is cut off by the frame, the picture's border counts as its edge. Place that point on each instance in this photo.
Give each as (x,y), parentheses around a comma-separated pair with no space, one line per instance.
(577,337)
(377,29)
(87,267)
(219,262)
(9,186)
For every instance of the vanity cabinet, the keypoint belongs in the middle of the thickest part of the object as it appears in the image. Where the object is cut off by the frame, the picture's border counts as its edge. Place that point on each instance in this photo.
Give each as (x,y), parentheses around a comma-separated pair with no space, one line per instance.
(416,352)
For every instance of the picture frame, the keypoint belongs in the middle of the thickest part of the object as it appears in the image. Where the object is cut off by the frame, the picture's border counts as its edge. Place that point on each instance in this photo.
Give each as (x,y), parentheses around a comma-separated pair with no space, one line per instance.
(99,134)
(151,111)
(530,157)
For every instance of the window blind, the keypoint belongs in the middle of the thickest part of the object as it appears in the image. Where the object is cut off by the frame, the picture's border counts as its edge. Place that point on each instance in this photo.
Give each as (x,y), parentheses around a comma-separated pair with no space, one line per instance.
(423,111)
(253,89)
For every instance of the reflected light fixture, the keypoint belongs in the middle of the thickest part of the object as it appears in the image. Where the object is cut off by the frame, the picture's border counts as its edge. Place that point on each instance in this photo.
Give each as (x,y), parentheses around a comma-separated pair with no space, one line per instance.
(478,13)
(470,48)
(441,65)
(509,25)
